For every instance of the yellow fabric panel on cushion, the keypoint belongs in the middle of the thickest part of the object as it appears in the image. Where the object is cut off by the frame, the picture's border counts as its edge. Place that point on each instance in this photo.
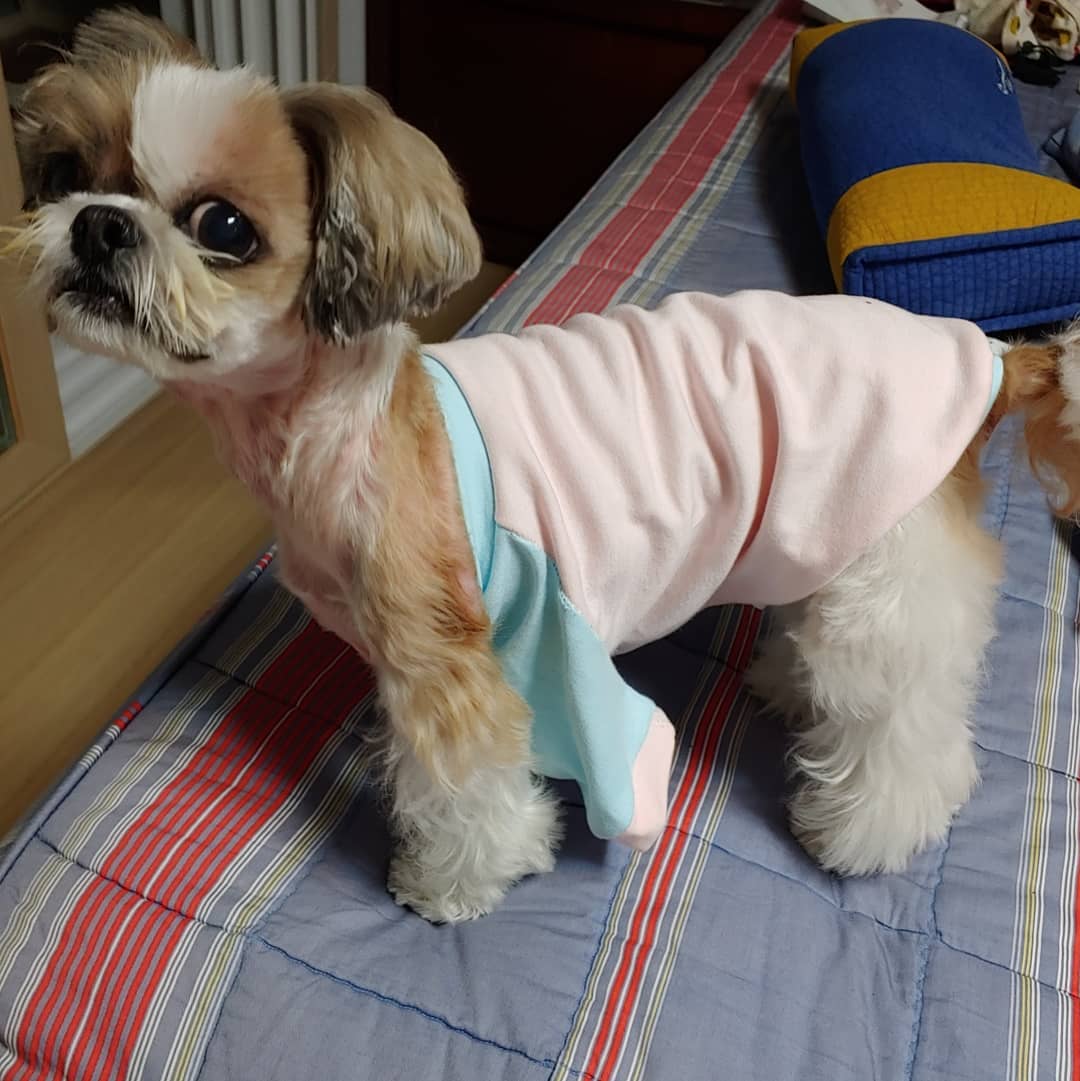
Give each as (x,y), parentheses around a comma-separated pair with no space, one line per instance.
(924,180)
(944,199)
(805,43)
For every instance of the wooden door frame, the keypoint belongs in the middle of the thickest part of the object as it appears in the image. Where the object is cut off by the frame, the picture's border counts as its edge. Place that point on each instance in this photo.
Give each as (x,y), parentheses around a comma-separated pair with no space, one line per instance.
(41,446)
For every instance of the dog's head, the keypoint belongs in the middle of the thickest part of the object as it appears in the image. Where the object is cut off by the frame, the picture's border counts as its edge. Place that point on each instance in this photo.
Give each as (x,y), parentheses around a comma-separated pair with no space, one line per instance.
(205,224)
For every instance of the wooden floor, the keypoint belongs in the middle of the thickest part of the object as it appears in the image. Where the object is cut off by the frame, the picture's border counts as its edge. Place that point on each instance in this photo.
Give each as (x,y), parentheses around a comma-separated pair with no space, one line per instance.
(103,571)
(100,575)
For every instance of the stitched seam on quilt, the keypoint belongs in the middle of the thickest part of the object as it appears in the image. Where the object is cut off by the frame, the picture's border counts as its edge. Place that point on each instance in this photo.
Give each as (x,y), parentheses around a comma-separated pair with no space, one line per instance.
(136,893)
(1028,762)
(1038,604)
(1037,981)
(360,989)
(251,936)
(288,703)
(929,937)
(798,882)
(932,934)
(705,655)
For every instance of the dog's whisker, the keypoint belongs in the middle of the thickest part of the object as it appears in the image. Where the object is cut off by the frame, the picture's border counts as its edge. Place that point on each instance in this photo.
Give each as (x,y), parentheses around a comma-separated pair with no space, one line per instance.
(176,292)
(22,239)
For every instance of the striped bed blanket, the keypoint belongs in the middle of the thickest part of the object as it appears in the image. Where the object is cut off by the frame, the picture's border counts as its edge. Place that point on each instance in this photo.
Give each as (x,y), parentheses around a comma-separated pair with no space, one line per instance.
(203,897)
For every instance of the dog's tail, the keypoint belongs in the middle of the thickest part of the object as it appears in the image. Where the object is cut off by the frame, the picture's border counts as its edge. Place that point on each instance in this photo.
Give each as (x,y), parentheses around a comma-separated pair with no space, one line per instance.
(1042,383)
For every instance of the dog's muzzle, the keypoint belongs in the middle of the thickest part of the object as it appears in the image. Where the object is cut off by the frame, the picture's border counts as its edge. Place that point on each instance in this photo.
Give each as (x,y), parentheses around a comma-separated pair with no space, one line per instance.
(103,240)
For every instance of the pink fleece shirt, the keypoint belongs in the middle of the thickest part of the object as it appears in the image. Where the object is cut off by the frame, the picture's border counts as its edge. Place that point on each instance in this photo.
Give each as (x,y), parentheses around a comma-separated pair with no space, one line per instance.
(741,449)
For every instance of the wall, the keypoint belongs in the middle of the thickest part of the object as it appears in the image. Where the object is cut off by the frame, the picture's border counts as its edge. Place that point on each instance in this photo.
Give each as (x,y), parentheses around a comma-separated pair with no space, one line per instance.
(352,44)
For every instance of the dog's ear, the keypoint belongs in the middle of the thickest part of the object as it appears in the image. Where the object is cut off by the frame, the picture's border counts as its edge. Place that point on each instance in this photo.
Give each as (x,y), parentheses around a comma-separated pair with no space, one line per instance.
(391,234)
(86,94)
(113,35)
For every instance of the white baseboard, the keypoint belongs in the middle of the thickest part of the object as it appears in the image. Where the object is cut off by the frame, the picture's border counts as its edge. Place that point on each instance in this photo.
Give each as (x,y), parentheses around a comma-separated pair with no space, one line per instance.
(96,394)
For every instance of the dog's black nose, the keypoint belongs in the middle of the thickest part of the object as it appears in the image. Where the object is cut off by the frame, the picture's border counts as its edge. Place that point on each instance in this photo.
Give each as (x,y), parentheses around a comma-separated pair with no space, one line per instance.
(99,232)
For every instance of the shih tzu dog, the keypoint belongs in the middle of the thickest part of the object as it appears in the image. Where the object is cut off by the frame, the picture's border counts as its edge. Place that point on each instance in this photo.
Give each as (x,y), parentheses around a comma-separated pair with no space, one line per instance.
(489,521)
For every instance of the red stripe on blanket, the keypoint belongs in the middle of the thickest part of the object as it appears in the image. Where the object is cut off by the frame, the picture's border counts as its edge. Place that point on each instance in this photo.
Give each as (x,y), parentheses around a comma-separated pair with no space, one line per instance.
(143,956)
(656,889)
(1074,981)
(134,863)
(615,252)
(129,714)
(605,264)
(135,707)
(90,1003)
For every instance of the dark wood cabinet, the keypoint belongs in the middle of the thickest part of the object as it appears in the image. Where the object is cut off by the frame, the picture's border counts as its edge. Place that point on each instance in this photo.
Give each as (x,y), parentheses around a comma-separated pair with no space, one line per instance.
(532,99)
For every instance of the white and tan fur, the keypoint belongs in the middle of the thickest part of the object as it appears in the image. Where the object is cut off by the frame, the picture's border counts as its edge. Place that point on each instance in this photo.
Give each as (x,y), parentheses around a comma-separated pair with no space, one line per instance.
(301,362)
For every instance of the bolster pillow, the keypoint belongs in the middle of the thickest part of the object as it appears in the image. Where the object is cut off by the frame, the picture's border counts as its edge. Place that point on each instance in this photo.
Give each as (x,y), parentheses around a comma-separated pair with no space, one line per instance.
(923,179)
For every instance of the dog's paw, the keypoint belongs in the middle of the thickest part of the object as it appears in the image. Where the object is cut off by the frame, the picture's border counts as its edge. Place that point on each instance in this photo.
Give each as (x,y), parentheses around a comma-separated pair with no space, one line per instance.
(450,896)
(440,901)
(849,843)
(851,832)
(454,869)
(447,904)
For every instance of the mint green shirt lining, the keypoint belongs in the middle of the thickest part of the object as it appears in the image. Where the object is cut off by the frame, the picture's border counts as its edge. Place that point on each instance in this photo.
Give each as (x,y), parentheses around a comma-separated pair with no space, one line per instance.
(588,723)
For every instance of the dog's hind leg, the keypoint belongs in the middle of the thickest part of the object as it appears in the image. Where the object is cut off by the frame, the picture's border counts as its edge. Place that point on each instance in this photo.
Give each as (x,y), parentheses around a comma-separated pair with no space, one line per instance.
(887,659)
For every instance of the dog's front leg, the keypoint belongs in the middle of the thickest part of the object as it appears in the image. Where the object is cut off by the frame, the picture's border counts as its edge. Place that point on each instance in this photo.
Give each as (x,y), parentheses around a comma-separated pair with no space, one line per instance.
(469,816)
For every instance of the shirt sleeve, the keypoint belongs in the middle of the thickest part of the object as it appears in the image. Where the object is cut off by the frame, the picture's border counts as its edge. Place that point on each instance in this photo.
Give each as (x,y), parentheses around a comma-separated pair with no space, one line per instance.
(589,724)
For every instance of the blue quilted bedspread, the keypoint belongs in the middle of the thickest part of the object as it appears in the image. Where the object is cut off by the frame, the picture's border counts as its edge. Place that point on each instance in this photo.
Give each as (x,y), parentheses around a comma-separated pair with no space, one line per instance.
(203,897)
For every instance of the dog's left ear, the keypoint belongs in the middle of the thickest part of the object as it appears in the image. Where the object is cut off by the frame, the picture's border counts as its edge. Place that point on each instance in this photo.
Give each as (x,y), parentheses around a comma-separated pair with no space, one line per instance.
(392,237)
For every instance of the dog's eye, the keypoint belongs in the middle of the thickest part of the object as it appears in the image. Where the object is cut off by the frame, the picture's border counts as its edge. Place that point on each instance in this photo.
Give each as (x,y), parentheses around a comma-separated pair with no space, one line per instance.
(61,174)
(219,227)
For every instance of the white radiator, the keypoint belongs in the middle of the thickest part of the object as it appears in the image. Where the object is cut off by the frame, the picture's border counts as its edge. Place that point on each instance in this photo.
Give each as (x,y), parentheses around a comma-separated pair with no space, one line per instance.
(291,40)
